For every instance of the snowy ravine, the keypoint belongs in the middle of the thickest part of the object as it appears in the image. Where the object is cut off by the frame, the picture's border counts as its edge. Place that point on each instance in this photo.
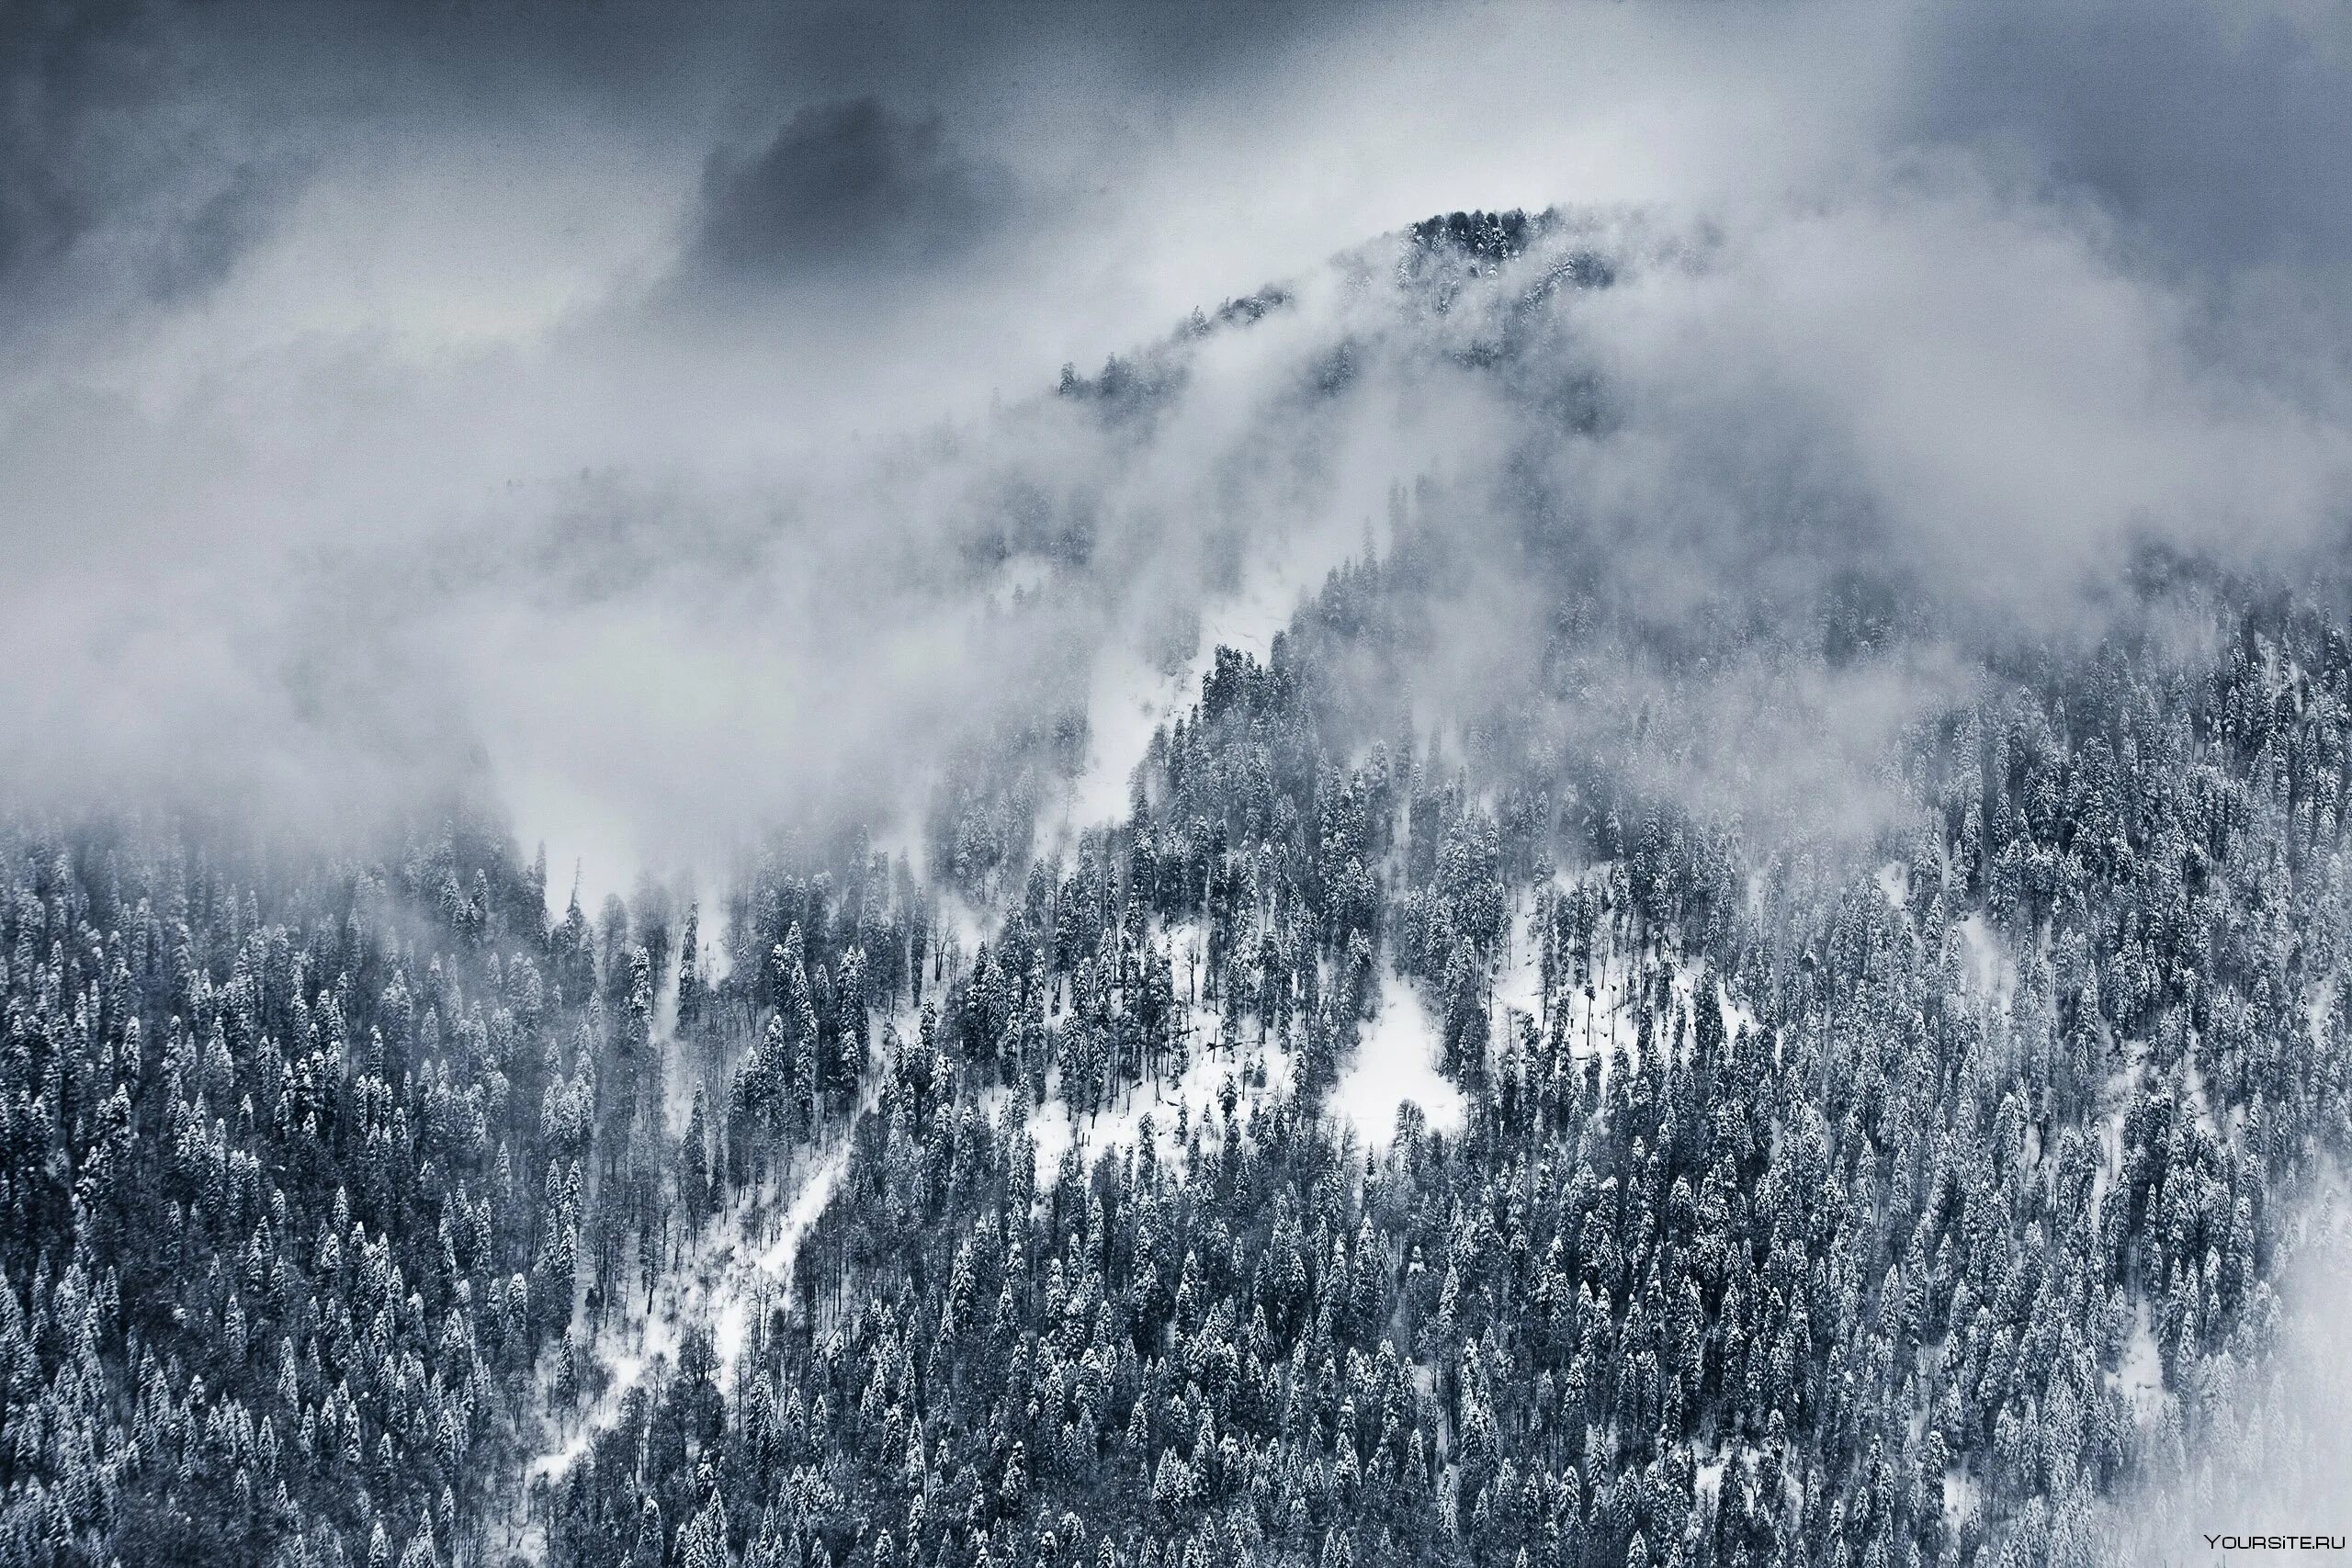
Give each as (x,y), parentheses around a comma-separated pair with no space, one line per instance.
(739,1265)
(736,1269)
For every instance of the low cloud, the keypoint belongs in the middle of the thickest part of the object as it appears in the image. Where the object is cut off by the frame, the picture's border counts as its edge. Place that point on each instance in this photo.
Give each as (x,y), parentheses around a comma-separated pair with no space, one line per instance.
(423,475)
(851,187)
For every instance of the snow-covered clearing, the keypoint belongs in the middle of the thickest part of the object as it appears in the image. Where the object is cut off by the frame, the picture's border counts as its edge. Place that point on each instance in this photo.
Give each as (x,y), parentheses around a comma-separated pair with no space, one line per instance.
(1893,881)
(745,1285)
(1519,986)
(1193,1099)
(1963,1499)
(625,1351)
(2141,1377)
(739,1265)
(1600,1022)
(1395,1063)
(1991,971)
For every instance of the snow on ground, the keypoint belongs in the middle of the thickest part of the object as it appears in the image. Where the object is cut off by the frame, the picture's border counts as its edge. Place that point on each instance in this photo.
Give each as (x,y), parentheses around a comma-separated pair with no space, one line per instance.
(2140,1378)
(625,1351)
(1599,1024)
(1738,1015)
(1963,1499)
(1991,971)
(2117,1094)
(1194,1094)
(1396,1063)
(1894,886)
(714,931)
(726,1277)
(2318,1008)
(1605,1020)
(1519,986)
(740,1264)
(746,1284)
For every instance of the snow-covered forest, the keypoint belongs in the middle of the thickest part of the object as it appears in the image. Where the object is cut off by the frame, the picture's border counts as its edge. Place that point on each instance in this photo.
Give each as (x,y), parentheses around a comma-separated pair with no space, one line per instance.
(1496,903)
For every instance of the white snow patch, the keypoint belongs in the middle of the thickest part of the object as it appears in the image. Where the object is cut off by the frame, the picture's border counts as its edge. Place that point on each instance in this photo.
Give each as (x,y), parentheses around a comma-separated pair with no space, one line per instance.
(1738,1015)
(723,1278)
(1894,886)
(1963,1498)
(1195,1093)
(748,1282)
(721,1282)
(1396,1064)
(1992,973)
(625,1353)
(714,954)
(2141,1377)
(1597,1023)
(1519,986)
(2117,1094)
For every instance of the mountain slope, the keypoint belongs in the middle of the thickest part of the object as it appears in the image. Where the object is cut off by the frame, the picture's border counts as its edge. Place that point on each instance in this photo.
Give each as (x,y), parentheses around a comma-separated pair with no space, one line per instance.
(1541,1067)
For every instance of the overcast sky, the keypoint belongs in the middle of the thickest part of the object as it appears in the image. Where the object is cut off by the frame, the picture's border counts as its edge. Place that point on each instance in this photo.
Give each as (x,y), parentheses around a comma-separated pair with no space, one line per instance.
(400,391)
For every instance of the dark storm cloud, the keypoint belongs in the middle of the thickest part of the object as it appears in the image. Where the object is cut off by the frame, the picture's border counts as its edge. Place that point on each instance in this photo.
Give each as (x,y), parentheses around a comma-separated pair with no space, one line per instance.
(2220,133)
(44,52)
(907,136)
(146,147)
(850,184)
(1012,46)
(110,176)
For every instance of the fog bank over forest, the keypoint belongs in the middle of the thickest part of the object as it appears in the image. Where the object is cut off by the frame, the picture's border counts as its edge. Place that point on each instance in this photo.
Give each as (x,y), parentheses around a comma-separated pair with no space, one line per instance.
(660,449)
